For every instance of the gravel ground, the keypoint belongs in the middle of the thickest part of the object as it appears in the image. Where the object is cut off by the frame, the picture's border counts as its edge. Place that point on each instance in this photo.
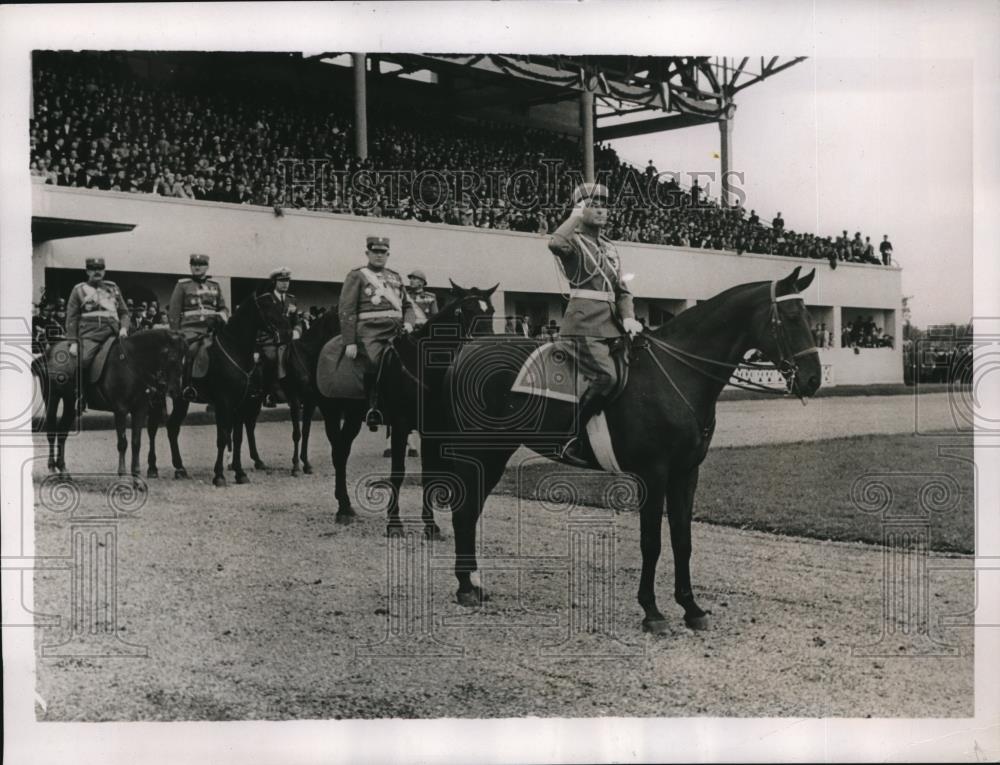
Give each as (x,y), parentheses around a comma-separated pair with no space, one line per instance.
(253,604)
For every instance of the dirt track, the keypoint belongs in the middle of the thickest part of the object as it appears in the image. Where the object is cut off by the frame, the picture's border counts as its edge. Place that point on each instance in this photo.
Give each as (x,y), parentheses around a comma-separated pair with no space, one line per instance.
(253,604)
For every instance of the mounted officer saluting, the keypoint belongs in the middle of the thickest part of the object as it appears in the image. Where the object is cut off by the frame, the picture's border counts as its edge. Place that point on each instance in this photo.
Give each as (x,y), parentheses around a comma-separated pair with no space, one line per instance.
(600,309)
(423,300)
(96,312)
(197,308)
(281,280)
(374,306)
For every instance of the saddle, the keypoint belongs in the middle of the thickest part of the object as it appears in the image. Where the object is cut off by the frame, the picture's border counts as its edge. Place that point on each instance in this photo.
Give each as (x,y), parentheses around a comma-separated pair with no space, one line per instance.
(199,346)
(338,376)
(97,368)
(551,372)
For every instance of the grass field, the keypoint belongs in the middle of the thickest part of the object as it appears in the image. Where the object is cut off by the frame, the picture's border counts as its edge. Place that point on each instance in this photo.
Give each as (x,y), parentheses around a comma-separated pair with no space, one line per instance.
(804,489)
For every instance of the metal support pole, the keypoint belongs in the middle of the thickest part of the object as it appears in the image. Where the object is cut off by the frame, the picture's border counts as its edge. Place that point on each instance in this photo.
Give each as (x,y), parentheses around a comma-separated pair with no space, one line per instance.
(360,107)
(725,136)
(587,122)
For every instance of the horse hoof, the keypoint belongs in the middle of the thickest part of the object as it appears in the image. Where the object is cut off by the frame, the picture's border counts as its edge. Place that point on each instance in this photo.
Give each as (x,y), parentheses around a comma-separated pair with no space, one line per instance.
(152,473)
(219,481)
(473,598)
(393,530)
(655,626)
(241,478)
(295,472)
(433,533)
(345,516)
(307,468)
(180,473)
(697,622)
(259,465)
(52,467)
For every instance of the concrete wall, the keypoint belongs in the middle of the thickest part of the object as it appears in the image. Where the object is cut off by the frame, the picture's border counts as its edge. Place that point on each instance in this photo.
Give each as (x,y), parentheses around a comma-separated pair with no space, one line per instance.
(246,242)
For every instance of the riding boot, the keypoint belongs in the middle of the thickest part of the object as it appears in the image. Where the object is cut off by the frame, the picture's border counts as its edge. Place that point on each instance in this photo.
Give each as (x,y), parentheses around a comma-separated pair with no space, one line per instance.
(575,451)
(373,417)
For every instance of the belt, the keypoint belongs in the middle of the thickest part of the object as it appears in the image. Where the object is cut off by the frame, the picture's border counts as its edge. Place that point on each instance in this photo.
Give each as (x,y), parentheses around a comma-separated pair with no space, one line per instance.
(200,312)
(387,314)
(99,315)
(593,295)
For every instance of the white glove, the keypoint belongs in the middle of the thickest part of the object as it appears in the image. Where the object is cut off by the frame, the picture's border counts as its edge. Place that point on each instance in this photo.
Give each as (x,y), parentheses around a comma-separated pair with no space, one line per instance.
(632,326)
(72,349)
(123,332)
(407,327)
(351,351)
(296,333)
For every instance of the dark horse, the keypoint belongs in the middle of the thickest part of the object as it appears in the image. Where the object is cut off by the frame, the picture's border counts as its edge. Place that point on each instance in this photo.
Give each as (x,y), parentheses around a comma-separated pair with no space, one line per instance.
(140,371)
(231,385)
(403,382)
(661,426)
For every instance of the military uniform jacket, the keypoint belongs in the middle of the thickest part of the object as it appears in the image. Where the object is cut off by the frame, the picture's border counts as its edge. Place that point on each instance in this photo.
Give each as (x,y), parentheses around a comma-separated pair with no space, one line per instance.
(425,301)
(290,310)
(363,302)
(193,303)
(93,307)
(599,299)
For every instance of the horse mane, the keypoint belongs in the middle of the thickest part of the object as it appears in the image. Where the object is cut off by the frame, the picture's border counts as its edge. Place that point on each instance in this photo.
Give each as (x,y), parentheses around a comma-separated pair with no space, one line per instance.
(695,317)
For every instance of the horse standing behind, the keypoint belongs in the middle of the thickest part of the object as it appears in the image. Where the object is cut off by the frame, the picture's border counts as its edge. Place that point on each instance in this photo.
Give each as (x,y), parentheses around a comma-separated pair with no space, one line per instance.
(231,385)
(140,371)
(661,425)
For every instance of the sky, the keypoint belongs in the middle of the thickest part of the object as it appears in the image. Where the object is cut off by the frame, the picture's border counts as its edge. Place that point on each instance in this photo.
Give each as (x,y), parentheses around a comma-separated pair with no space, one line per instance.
(876,145)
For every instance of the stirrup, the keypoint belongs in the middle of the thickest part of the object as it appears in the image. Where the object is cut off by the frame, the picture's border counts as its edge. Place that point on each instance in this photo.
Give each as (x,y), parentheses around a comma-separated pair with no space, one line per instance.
(570,455)
(190,393)
(269,401)
(373,418)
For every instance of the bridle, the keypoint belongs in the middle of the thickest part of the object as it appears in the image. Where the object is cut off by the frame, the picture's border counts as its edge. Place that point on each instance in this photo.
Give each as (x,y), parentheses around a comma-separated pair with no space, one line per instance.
(787,363)
(408,337)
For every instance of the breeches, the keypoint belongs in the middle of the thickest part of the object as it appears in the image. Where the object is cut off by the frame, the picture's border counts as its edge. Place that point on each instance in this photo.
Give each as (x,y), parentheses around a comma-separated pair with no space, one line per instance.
(374,337)
(595,364)
(91,340)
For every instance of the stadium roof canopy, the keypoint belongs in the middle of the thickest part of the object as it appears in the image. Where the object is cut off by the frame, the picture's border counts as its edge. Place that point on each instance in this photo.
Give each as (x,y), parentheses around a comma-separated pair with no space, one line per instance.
(686,90)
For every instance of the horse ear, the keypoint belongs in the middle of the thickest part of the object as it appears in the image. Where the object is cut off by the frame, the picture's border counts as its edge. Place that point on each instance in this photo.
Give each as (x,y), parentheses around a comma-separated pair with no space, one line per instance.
(491,290)
(786,286)
(455,288)
(805,281)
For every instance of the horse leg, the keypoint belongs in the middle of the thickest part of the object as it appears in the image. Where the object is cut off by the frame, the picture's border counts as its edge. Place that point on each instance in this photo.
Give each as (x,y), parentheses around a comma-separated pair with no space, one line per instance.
(397,472)
(121,422)
(240,420)
(432,468)
(650,532)
(177,415)
(308,407)
(51,423)
(223,437)
(68,415)
(138,420)
(680,507)
(345,433)
(477,475)
(251,427)
(295,407)
(152,425)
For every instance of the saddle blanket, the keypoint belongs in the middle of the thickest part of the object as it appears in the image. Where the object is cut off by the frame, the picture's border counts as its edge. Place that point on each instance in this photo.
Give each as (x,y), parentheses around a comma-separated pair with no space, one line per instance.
(97,368)
(550,372)
(338,376)
(199,346)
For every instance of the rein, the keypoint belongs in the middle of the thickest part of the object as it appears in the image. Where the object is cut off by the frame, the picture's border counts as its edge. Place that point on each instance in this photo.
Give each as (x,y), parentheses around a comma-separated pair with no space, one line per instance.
(787,365)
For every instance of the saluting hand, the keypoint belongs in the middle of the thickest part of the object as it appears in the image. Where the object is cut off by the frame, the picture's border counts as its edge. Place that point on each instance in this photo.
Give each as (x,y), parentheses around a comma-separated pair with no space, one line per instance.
(351,351)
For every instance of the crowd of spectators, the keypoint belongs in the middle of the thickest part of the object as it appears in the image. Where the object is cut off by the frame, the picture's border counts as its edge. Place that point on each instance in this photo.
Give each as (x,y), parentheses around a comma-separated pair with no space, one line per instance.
(97,126)
(864,333)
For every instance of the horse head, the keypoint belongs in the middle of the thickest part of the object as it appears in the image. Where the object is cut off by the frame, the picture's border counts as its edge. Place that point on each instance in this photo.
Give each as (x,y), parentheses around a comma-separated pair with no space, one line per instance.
(472,308)
(783,333)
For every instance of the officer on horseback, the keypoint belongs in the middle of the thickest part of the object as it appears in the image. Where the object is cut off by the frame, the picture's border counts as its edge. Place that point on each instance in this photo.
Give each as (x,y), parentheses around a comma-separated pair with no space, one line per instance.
(374,306)
(197,308)
(281,279)
(423,300)
(96,311)
(600,308)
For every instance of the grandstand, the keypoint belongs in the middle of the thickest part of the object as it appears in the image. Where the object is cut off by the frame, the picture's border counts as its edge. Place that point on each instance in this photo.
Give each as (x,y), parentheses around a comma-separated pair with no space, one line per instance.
(465,162)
